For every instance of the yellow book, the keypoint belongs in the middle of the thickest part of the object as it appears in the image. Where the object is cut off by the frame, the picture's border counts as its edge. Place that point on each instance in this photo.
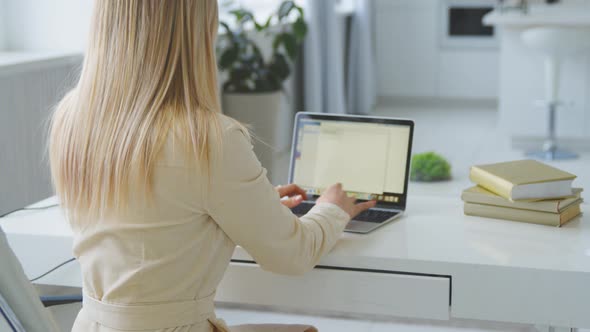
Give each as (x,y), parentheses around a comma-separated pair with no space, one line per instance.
(528,216)
(479,195)
(523,180)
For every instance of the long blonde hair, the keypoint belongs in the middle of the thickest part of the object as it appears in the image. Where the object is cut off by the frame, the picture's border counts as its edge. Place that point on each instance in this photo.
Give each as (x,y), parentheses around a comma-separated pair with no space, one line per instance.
(149,67)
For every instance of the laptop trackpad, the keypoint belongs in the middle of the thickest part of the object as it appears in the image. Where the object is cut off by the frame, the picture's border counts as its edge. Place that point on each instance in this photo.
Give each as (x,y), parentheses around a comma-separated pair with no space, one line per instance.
(360,226)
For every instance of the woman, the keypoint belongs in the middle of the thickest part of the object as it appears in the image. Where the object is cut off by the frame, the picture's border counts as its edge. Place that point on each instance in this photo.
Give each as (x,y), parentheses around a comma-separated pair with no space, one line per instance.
(159,186)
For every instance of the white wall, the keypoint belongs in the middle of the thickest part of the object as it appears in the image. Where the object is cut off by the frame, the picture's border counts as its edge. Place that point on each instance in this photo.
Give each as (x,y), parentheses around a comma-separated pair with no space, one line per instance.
(2,23)
(56,25)
(62,25)
(412,63)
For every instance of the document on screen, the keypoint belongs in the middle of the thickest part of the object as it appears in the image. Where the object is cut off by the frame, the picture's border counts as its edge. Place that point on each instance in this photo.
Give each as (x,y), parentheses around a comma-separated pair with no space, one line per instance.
(352,154)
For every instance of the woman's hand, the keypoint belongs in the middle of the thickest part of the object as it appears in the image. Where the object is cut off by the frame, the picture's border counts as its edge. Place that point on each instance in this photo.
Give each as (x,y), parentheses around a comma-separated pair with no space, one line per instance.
(291,195)
(335,195)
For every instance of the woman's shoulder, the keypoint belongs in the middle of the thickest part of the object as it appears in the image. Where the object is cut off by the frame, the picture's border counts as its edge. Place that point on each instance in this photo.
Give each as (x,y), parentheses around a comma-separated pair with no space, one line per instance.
(230,125)
(232,133)
(229,133)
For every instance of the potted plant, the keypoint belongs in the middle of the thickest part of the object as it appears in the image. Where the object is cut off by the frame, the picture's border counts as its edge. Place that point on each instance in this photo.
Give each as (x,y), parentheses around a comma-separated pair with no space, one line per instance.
(255,60)
(430,167)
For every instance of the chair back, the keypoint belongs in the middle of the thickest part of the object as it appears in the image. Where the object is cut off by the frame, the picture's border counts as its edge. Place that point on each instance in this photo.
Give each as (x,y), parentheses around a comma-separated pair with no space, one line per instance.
(20,299)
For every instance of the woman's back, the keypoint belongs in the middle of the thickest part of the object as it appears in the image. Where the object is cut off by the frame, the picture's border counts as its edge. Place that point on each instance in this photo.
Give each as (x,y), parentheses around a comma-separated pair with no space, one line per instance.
(157,249)
(169,254)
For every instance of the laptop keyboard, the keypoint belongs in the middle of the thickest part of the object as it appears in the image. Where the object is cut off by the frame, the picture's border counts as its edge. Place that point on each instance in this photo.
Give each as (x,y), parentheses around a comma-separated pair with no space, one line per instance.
(302,208)
(376,216)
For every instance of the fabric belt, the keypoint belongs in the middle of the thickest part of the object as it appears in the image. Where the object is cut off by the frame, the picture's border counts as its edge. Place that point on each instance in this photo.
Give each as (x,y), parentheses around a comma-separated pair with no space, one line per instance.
(137,317)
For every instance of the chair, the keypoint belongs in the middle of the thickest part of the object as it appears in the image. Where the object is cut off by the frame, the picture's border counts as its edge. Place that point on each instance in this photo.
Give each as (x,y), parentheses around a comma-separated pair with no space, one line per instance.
(555,44)
(21,309)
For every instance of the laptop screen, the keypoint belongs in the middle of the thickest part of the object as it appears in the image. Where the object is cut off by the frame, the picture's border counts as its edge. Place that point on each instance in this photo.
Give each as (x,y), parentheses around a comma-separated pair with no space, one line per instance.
(368,156)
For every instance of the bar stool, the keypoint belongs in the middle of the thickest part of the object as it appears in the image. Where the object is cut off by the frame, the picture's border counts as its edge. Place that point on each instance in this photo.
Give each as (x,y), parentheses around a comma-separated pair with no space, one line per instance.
(555,44)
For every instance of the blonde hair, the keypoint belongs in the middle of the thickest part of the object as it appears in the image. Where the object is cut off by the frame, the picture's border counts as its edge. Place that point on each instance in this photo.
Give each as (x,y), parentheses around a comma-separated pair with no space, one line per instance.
(149,67)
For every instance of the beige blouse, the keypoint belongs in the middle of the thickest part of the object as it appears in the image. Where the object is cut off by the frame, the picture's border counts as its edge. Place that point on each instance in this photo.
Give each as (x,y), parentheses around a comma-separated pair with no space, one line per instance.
(157,268)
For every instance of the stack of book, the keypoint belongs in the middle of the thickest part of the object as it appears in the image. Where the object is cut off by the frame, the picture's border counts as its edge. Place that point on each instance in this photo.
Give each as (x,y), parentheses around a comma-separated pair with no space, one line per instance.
(525,191)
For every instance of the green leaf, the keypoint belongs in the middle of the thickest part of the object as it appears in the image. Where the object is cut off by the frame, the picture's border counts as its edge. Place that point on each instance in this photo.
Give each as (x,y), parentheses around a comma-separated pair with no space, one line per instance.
(242,15)
(300,29)
(257,54)
(239,74)
(285,9)
(228,30)
(279,67)
(301,13)
(290,44)
(267,81)
(260,28)
(263,85)
(228,57)
(276,43)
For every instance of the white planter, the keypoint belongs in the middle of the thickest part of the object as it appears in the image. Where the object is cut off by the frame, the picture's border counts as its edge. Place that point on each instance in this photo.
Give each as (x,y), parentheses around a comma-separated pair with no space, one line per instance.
(268,117)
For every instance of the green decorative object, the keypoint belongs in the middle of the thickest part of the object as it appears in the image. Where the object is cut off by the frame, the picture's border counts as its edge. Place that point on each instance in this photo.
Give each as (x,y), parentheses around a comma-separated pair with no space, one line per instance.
(429,167)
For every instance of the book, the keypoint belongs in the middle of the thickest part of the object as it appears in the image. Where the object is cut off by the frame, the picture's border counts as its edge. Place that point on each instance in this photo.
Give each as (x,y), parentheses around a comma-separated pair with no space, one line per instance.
(523,180)
(528,216)
(479,195)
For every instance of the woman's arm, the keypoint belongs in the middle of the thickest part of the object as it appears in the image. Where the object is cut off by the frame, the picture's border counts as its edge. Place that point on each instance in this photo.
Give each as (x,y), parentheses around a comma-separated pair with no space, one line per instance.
(248,209)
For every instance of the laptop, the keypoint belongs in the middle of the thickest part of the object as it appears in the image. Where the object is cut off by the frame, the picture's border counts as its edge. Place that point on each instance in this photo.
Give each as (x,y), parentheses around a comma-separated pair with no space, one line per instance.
(369,155)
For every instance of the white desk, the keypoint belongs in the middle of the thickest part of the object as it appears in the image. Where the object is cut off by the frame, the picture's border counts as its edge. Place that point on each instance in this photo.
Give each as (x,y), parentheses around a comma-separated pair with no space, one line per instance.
(414,267)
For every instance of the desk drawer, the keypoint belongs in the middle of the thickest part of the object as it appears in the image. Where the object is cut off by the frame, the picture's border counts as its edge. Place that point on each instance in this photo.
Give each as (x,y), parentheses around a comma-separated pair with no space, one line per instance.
(339,291)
